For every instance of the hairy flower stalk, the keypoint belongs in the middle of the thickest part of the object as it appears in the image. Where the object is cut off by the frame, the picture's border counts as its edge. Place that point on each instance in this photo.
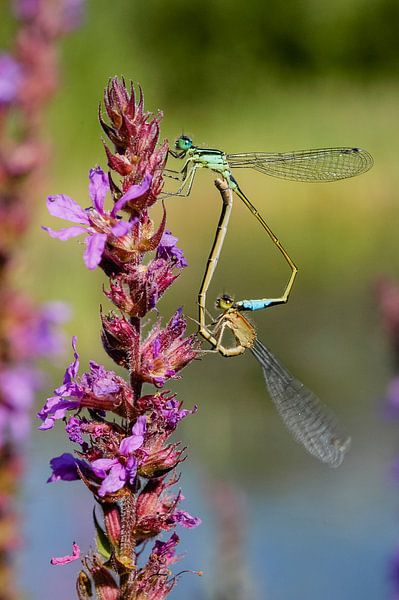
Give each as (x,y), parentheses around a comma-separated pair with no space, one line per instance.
(27,332)
(125,456)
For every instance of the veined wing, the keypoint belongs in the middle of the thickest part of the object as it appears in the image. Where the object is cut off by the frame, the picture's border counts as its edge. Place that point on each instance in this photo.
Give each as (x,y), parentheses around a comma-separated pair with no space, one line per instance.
(310,423)
(318,165)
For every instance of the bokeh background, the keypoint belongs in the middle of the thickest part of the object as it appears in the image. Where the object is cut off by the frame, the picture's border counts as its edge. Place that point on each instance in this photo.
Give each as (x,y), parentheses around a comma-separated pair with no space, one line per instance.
(246,76)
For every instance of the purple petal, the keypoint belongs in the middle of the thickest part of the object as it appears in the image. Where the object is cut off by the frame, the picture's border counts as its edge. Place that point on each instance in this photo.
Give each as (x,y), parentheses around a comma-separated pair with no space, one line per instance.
(95,245)
(114,481)
(130,444)
(73,368)
(104,464)
(64,468)
(98,188)
(135,191)
(53,411)
(121,228)
(131,469)
(156,347)
(166,549)
(101,381)
(74,430)
(47,408)
(140,426)
(64,560)
(64,207)
(185,519)
(66,233)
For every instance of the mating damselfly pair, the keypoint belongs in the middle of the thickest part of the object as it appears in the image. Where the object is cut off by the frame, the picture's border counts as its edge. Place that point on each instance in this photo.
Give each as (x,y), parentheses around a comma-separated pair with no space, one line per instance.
(299,408)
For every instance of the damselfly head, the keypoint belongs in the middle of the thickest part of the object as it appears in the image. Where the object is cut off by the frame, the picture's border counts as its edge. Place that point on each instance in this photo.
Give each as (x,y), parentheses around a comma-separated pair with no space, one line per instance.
(224,302)
(183,143)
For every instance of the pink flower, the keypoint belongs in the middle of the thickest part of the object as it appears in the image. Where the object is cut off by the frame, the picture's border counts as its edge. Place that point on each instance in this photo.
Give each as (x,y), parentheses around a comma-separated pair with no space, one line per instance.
(64,560)
(123,468)
(99,225)
(98,389)
(166,351)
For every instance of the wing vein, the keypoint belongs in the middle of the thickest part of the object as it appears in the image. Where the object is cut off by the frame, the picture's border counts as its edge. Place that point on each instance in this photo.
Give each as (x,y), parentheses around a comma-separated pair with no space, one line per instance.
(310,423)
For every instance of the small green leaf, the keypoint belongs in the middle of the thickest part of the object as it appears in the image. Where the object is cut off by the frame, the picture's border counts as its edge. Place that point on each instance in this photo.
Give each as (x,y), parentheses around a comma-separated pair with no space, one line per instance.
(103,545)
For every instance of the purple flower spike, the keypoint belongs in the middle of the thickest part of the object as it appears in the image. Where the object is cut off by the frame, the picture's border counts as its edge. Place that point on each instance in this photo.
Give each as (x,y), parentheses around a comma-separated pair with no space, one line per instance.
(100,226)
(124,455)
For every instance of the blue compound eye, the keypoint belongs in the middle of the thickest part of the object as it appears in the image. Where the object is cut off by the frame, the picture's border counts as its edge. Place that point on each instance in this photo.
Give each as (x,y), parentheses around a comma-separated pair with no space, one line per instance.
(183,143)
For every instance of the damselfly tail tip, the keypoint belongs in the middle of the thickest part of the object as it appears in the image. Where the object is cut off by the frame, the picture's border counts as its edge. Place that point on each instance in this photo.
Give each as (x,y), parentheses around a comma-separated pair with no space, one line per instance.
(342,447)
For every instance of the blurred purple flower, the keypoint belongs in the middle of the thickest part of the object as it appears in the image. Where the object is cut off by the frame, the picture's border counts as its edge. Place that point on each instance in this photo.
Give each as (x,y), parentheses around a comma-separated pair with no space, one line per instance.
(10,79)
(394,572)
(50,339)
(26,9)
(123,468)
(167,249)
(18,386)
(73,14)
(40,334)
(68,14)
(392,399)
(99,225)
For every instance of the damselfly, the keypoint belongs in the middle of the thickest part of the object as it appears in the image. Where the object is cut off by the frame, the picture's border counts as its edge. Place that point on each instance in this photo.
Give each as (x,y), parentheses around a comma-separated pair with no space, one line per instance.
(318,165)
(310,423)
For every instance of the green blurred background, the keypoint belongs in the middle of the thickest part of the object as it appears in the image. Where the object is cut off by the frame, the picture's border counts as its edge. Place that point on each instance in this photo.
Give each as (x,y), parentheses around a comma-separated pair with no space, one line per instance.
(247,76)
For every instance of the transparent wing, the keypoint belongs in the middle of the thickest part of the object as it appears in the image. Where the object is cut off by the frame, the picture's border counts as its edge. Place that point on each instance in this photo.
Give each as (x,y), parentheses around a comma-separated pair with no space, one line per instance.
(322,164)
(310,423)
